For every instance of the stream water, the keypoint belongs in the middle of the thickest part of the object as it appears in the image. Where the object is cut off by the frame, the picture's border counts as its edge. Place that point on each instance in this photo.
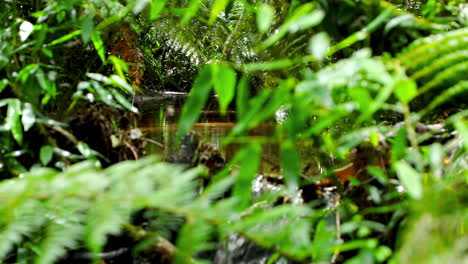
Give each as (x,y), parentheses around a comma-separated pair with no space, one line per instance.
(159,123)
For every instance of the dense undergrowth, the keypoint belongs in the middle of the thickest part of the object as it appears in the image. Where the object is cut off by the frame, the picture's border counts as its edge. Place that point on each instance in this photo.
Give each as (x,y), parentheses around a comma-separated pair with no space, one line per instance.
(378,87)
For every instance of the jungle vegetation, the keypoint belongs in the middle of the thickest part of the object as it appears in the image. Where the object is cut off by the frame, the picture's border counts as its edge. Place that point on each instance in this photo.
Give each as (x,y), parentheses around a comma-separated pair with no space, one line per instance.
(378,87)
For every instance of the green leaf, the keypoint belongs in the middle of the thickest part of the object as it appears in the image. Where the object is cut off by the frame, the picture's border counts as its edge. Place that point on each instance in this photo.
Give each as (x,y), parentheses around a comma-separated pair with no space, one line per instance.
(123,101)
(45,154)
(217,8)
(307,21)
(242,97)
(319,45)
(196,101)
(121,83)
(249,158)
(323,241)
(291,165)
(98,45)
(410,179)
(191,11)
(224,80)
(87,27)
(156,7)
(119,65)
(265,14)
(405,90)
(28,118)
(13,120)
(65,38)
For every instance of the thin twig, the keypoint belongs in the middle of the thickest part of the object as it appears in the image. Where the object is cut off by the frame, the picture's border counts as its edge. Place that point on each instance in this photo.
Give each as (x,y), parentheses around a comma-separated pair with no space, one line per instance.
(338,236)
(152,141)
(65,133)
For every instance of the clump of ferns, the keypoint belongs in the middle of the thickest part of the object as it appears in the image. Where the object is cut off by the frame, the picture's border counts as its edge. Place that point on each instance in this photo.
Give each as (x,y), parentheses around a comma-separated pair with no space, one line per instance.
(45,212)
(439,64)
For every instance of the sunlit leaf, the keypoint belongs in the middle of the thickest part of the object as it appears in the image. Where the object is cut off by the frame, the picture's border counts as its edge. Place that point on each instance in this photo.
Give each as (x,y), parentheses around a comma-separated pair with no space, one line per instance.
(319,45)
(217,8)
(45,155)
(121,83)
(405,90)
(123,101)
(25,29)
(98,45)
(13,120)
(156,7)
(410,179)
(140,5)
(265,15)
(28,117)
(65,38)
(224,80)
(307,21)
(119,65)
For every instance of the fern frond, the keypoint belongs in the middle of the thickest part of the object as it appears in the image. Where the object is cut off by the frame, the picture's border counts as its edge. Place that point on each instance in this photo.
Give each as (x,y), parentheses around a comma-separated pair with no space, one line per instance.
(441,64)
(432,46)
(64,229)
(18,220)
(447,77)
(448,94)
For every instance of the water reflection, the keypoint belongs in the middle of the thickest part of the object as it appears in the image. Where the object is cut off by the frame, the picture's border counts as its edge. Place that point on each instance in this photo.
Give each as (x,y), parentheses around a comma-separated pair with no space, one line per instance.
(159,122)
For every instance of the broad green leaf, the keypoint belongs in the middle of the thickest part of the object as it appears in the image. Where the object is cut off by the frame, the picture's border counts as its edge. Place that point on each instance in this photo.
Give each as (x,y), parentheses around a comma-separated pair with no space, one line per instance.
(265,15)
(410,179)
(122,84)
(45,154)
(217,8)
(119,65)
(291,165)
(399,145)
(85,150)
(323,242)
(319,45)
(405,90)
(156,7)
(123,101)
(87,27)
(98,45)
(28,118)
(224,81)
(250,163)
(13,120)
(242,97)
(196,101)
